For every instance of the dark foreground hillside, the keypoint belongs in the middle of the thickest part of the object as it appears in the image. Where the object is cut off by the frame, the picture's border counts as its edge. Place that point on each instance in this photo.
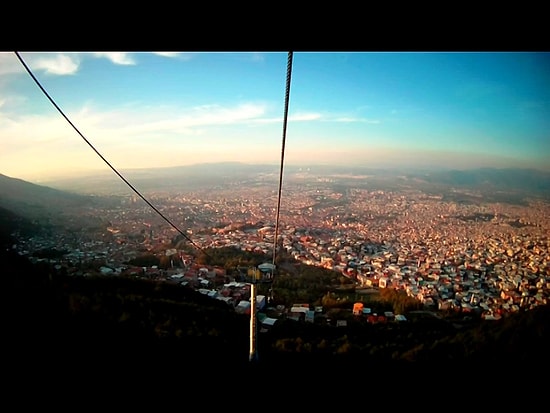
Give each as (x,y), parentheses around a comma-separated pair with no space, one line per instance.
(77,328)
(65,334)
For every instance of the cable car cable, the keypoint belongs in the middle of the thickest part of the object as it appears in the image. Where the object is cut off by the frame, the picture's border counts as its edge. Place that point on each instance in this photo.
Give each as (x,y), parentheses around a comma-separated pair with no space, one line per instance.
(283,144)
(103,158)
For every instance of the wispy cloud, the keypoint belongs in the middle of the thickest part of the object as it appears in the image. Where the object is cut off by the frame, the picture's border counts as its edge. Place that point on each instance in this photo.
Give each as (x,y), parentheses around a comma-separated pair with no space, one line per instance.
(9,64)
(314,116)
(55,64)
(186,56)
(217,114)
(298,117)
(60,64)
(167,54)
(103,126)
(116,134)
(257,57)
(119,58)
(29,126)
(179,122)
(301,117)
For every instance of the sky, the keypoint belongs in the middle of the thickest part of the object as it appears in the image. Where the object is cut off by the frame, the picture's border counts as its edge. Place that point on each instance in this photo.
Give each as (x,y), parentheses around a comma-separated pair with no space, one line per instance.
(131,110)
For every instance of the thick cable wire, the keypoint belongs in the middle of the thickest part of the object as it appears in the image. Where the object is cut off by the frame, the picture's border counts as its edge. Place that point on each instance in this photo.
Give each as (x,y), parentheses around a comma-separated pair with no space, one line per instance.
(103,158)
(285,121)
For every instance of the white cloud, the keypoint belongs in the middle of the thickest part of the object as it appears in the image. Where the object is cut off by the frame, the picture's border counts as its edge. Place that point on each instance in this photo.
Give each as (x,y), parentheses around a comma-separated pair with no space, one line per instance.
(53,63)
(9,63)
(31,130)
(214,114)
(186,56)
(300,117)
(123,125)
(257,57)
(167,54)
(119,58)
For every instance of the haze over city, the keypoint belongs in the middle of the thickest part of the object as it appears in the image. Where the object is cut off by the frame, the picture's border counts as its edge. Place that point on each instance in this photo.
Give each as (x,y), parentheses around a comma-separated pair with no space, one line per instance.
(147,110)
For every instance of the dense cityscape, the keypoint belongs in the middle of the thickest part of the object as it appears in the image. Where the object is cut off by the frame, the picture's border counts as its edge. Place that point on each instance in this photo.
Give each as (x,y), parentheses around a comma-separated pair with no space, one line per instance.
(456,249)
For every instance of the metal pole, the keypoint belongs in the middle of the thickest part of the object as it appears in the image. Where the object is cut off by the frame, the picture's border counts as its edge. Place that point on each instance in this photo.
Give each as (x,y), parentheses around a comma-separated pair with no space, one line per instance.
(252,354)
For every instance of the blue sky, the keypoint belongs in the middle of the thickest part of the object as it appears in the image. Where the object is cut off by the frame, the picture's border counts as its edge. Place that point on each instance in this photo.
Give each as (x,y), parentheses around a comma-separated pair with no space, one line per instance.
(378,109)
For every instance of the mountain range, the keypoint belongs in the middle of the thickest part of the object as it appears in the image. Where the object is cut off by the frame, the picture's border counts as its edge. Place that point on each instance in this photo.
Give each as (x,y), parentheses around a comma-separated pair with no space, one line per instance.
(524,182)
(48,201)
(35,201)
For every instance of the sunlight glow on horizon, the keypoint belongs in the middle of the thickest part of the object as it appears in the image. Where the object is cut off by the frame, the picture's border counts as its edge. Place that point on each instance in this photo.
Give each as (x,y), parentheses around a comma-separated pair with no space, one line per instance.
(369,109)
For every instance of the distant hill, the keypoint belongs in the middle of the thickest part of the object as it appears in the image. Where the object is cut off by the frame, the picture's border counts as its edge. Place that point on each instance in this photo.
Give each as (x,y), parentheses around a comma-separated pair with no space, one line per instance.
(120,326)
(11,222)
(525,181)
(522,182)
(37,202)
(177,178)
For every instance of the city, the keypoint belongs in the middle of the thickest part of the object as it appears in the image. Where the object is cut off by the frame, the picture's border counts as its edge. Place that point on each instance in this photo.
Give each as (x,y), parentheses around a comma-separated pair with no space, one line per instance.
(459,249)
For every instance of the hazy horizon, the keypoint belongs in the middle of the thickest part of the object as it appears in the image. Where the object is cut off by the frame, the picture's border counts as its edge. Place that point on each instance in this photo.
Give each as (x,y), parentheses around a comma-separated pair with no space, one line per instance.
(132,173)
(374,109)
